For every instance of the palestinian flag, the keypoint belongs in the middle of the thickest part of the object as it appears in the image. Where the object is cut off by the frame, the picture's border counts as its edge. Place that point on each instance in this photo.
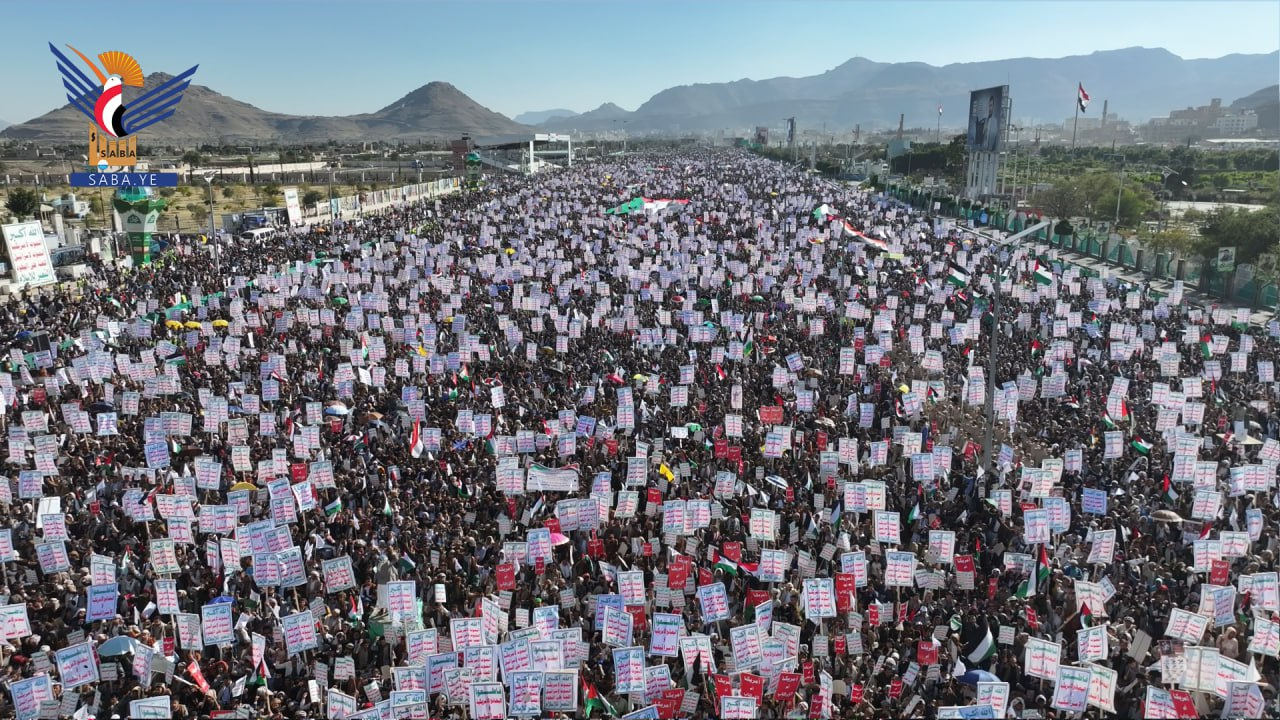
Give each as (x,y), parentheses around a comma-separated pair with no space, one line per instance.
(1042,274)
(364,347)
(1086,616)
(957,275)
(1040,577)
(416,445)
(333,508)
(1167,491)
(593,700)
(1108,422)
(823,213)
(626,208)
(914,515)
(1206,346)
(732,568)
(983,651)
(1140,445)
(1082,97)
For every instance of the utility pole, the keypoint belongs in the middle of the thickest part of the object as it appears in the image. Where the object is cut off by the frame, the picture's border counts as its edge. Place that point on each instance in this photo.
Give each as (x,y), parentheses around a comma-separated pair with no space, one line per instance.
(1119,193)
(989,438)
(213,236)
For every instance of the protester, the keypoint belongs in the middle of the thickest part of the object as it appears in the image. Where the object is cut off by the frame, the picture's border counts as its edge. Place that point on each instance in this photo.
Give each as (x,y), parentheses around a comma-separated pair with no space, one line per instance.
(539,450)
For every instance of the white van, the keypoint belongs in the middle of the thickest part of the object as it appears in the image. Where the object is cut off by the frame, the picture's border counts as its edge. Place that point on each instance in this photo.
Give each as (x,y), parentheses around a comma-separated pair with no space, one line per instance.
(258,235)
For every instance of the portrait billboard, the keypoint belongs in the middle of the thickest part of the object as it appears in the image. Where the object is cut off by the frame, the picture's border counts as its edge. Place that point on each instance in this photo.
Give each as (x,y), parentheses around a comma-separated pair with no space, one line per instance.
(986,118)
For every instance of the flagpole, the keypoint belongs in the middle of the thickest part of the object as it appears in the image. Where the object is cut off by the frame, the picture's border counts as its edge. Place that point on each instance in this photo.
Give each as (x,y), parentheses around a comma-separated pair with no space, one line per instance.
(1076,121)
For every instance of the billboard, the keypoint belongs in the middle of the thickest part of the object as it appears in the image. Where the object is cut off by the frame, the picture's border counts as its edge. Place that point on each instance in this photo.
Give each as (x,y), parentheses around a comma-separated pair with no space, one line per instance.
(291,205)
(986,118)
(762,136)
(791,132)
(28,255)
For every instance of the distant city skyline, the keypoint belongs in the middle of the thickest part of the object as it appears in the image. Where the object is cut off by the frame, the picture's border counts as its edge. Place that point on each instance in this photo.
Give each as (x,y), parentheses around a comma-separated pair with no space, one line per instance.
(324,57)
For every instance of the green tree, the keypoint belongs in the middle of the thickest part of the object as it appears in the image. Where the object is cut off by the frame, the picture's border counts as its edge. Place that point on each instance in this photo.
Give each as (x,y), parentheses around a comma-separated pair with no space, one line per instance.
(1171,240)
(1063,200)
(23,203)
(312,197)
(1251,233)
(228,193)
(193,158)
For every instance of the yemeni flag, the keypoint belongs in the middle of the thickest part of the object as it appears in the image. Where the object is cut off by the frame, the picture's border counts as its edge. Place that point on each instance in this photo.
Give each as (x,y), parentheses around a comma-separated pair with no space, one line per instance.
(867,240)
(1082,97)
(983,651)
(1042,274)
(416,445)
(957,275)
(1167,491)
(593,700)
(1206,346)
(1140,445)
(1038,578)
(660,204)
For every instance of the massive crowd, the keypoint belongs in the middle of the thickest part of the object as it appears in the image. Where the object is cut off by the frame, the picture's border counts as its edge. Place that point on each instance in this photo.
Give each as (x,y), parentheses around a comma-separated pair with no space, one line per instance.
(505,454)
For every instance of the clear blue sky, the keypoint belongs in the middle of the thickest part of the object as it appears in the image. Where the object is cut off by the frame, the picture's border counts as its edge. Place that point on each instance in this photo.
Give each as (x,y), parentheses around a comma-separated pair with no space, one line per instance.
(337,57)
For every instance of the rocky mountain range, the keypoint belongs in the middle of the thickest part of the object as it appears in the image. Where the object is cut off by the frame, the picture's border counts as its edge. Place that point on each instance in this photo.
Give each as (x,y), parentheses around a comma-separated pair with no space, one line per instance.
(537,117)
(436,110)
(1140,83)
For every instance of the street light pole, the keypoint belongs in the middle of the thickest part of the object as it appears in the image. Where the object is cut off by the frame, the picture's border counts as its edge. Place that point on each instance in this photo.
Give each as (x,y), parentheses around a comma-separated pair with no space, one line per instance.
(1119,194)
(213,236)
(989,436)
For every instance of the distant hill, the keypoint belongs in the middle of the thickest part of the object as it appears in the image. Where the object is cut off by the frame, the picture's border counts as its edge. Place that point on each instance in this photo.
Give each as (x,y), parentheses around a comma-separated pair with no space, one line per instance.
(436,110)
(1140,83)
(4,124)
(537,117)
(606,117)
(1265,103)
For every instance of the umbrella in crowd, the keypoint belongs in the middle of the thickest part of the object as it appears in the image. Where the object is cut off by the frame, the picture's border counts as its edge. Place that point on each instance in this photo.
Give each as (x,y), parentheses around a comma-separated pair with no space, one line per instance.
(717,455)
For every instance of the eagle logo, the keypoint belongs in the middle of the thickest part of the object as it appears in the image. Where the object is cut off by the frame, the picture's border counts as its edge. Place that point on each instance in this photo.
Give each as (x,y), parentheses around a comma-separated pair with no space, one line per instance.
(103,101)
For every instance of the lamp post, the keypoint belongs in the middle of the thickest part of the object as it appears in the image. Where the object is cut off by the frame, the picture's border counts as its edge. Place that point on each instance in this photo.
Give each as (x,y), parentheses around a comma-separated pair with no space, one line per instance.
(213,236)
(1119,192)
(989,438)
